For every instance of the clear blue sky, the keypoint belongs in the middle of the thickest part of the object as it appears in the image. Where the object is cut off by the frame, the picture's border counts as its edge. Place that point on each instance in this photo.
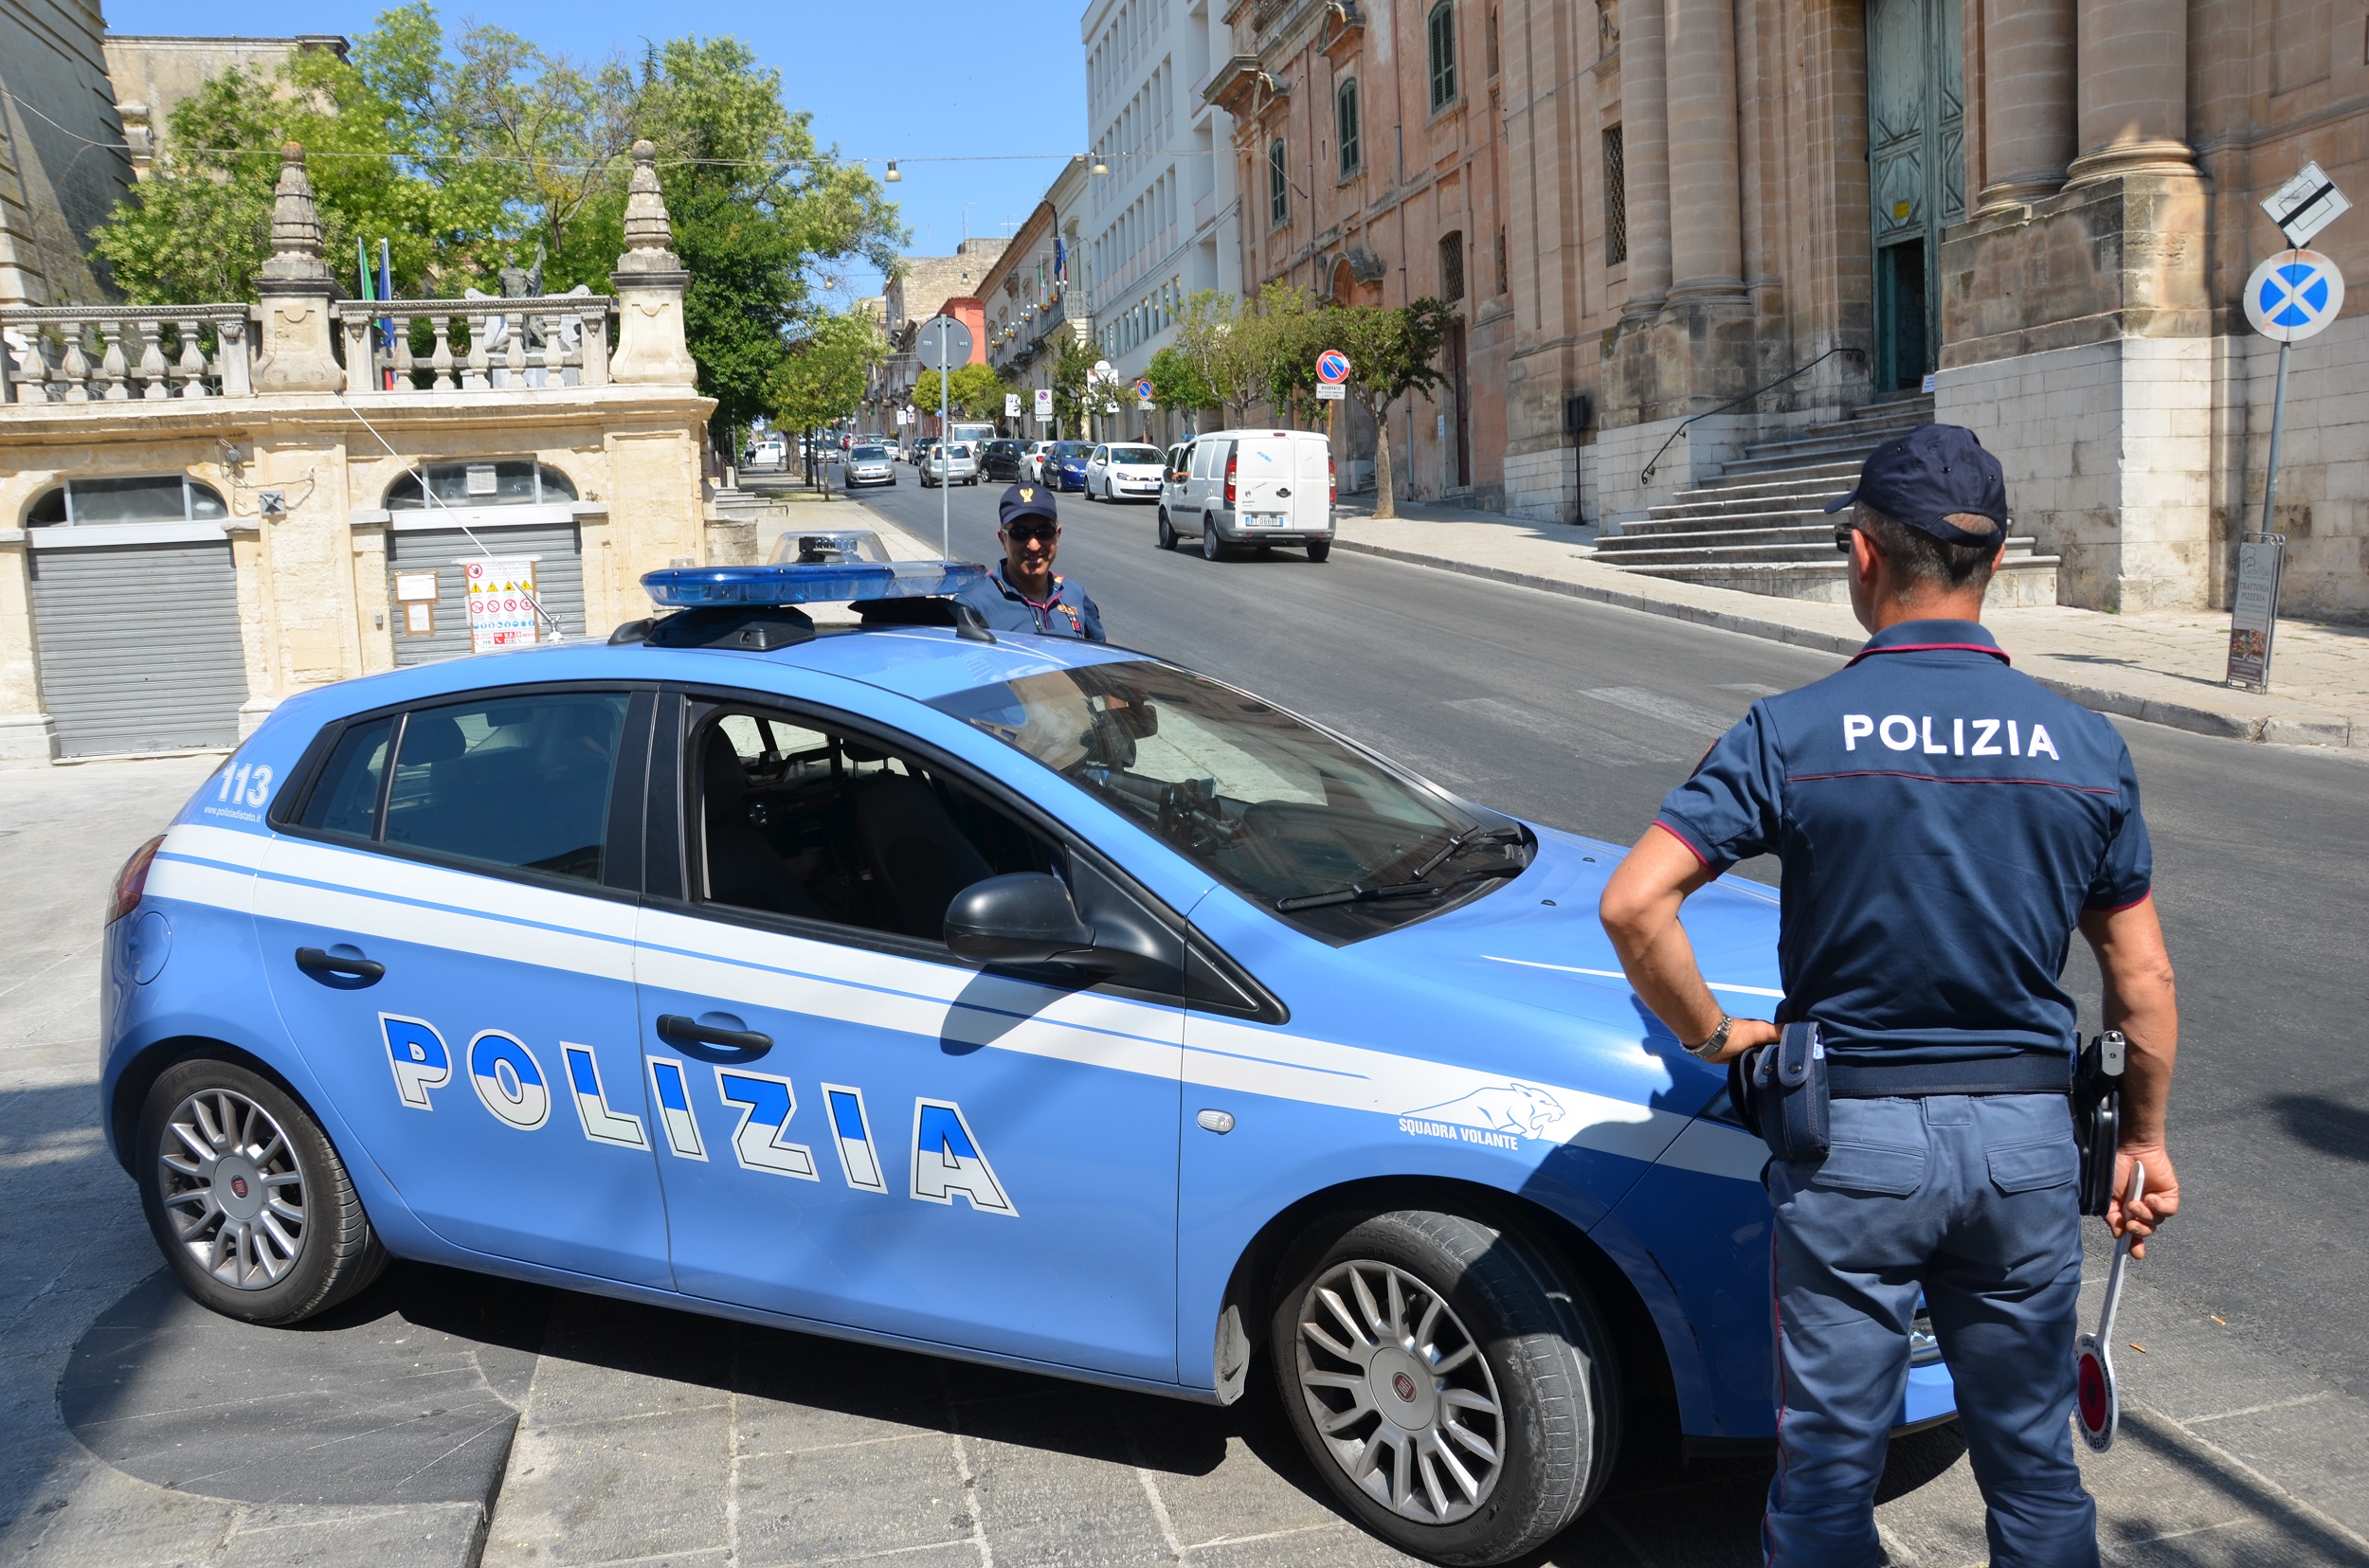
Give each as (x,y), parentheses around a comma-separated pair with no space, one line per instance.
(1013,80)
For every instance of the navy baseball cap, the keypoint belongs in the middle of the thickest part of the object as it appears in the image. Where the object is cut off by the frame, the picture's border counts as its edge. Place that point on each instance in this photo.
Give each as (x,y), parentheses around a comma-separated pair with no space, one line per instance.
(1921,477)
(1026,500)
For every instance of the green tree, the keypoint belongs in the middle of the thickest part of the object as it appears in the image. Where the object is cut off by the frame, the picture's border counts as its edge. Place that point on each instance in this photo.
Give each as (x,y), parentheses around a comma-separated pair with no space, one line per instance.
(1175,382)
(1392,353)
(1075,394)
(1207,339)
(822,376)
(973,391)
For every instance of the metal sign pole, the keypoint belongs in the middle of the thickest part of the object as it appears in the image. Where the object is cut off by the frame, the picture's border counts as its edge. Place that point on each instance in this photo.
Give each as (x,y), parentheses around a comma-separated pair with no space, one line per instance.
(946,462)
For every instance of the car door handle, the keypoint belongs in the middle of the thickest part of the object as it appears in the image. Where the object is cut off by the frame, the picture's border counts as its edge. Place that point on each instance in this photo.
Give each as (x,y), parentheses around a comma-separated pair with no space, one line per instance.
(688,1034)
(350,973)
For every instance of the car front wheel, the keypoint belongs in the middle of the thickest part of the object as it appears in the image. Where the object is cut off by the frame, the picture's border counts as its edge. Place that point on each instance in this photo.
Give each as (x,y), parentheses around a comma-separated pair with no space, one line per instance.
(1454,1388)
(250,1204)
(1168,530)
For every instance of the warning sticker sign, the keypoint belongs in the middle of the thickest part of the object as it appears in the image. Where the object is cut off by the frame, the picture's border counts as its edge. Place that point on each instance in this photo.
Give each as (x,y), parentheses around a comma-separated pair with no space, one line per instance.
(501,603)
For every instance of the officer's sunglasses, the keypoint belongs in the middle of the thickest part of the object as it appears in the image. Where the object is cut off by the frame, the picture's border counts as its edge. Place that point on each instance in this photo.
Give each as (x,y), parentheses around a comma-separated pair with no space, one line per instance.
(1023,533)
(1842,540)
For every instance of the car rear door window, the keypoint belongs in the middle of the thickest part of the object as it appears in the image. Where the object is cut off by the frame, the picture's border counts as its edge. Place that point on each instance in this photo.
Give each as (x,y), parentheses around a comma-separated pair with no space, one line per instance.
(520,780)
(345,800)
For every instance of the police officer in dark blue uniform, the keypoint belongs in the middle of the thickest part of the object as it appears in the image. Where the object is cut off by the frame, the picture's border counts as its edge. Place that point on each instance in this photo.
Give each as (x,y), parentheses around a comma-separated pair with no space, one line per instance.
(1022,592)
(1946,824)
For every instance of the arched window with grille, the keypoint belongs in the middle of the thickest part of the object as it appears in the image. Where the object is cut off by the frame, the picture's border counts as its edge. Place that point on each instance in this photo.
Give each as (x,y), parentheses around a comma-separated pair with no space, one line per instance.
(1278,186)
(1345,122)
(1441,33)
(1452,267)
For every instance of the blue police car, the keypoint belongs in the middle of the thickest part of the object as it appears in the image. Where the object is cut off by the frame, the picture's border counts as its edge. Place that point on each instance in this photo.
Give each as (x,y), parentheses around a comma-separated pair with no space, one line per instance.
(1019,999)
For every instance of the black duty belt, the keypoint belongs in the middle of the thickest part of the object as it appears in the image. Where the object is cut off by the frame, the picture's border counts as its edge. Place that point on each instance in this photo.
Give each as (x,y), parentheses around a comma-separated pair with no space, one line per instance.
(2030,1072)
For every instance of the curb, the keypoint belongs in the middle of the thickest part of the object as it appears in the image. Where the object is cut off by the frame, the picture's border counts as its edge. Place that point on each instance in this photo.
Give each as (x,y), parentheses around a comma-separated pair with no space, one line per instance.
(2209,1463)
(2303,728)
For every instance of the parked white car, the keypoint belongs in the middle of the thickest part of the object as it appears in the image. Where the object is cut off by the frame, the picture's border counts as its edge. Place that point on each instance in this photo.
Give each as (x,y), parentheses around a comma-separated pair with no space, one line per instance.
(1251,488)
(949,463)
(1124,473)
(1032,460)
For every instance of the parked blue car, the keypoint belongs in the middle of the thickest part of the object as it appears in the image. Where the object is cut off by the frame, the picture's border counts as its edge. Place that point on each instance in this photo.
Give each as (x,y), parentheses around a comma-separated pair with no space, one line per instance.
(1065,465)
(1015,999)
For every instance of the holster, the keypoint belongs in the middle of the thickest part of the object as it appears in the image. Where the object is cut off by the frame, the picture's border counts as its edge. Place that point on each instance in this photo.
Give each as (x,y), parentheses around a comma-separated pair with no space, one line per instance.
(1780,1089)
(2097,1114)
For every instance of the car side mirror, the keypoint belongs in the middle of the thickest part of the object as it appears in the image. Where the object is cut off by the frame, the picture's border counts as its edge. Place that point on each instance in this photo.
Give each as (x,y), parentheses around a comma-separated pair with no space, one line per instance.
(1025,917)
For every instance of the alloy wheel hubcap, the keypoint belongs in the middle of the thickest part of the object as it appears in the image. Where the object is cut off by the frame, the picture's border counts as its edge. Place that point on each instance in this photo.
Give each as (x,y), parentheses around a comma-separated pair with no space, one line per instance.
(1400,1392)
(232,1189)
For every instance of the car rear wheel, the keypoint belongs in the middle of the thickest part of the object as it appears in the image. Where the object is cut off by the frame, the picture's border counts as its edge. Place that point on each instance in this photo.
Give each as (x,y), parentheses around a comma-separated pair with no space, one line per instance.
(250,1204)
(1168,530)
(1319,549)
(1212,548)
(1452,1385)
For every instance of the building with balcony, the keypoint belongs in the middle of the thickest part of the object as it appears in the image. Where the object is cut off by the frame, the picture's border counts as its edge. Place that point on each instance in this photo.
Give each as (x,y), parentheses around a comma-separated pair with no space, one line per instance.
(1030,294)
(922,287)
(208,509)
(1163,224)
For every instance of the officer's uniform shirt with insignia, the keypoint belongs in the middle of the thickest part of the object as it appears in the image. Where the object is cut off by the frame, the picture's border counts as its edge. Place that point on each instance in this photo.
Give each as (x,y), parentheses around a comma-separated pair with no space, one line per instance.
(1944,822)
(1066,611)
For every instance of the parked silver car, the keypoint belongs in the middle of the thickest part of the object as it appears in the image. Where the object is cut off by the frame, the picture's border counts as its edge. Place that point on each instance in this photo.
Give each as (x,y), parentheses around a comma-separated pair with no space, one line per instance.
(950,462)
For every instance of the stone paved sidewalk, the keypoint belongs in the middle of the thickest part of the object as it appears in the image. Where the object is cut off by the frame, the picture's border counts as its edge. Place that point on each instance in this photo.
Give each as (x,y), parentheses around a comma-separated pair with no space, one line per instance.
(2161,666)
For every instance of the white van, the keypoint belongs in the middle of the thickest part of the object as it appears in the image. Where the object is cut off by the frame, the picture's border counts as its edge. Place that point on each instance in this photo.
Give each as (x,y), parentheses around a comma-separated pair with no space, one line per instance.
(1251,487)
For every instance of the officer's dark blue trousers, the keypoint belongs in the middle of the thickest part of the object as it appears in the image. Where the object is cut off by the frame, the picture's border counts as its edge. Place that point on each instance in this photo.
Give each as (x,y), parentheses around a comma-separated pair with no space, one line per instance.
(1971,1201)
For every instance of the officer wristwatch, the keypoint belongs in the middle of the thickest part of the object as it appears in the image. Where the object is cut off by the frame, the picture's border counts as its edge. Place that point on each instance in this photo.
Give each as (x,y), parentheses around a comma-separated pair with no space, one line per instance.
(1711,1048)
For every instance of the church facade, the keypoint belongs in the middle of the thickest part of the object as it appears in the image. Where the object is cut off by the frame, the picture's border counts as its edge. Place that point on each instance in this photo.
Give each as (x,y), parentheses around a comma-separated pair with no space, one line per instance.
(1688,233)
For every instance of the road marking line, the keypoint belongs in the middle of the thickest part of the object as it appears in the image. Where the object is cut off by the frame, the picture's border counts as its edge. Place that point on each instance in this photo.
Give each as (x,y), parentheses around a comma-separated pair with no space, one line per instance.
(1671,711)
(2256,1409)
(1160,1512)
(1270,1535)
(1576,735)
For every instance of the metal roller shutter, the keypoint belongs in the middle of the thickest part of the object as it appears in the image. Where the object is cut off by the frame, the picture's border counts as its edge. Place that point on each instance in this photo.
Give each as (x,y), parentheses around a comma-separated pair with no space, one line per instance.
(559,580)
(139,646)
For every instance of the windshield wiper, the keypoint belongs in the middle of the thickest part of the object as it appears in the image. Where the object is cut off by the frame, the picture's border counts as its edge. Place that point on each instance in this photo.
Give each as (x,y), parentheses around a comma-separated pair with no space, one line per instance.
(1476,834)
(1371,892)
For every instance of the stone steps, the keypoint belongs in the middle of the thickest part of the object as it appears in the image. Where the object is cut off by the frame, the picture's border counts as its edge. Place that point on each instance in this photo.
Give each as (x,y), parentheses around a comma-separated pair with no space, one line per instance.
(1761,524)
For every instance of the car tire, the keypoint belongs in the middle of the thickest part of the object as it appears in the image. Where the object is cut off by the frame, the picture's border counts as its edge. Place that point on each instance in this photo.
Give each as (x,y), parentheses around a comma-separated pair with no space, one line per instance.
(252,1269)
(1512,1349)
(1319,549)
(1168,530)
(1212,548)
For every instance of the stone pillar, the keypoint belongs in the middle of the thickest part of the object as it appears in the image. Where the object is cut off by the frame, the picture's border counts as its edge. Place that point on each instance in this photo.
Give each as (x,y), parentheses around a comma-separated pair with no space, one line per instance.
(651,348)
(1706,184)
(1645,153)
(2133,89)
(2027,100)
(295,288)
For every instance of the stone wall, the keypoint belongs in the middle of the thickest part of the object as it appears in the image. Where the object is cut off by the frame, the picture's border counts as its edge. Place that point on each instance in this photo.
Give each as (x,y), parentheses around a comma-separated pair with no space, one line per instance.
(63,167)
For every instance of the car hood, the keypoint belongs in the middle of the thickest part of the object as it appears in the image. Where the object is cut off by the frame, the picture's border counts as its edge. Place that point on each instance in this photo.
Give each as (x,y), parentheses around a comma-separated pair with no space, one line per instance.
(1138,470)
(1536,942)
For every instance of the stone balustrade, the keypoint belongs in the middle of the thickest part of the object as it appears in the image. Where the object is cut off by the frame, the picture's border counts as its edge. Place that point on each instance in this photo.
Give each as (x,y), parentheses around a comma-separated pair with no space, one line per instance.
(106,354)
(476,345)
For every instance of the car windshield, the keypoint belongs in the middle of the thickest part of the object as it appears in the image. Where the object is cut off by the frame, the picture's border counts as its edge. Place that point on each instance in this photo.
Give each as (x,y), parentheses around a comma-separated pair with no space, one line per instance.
(1073,449)
(1278,810)
(1134,453)
(871,454)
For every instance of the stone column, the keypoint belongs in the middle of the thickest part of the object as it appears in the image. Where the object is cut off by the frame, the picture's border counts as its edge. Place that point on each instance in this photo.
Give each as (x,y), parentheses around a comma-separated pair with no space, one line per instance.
(295,288)
(2133,88)
(2027,100)
(1645,153)
(1705,183)
(651,348)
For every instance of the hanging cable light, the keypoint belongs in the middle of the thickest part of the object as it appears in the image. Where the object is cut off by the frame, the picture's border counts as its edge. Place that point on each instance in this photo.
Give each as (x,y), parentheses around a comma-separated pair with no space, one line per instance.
(893,176)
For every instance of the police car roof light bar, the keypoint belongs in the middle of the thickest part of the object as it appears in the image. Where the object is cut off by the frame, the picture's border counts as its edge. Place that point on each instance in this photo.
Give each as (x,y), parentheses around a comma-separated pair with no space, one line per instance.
(699,588)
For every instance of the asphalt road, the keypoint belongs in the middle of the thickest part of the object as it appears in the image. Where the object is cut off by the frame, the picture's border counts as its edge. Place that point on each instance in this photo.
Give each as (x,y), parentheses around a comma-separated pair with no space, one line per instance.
(1581,716)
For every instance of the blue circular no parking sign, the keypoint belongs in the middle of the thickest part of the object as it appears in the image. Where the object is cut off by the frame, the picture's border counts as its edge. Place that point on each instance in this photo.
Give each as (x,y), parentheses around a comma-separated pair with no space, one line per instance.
(2294,295)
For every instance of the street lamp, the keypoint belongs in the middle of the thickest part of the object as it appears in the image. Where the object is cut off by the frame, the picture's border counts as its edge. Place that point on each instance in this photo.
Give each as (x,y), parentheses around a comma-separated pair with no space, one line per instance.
(893,176)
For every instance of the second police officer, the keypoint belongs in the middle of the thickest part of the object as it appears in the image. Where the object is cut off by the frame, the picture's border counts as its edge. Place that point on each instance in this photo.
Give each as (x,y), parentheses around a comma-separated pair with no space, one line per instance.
(1022,592)
(1945,823)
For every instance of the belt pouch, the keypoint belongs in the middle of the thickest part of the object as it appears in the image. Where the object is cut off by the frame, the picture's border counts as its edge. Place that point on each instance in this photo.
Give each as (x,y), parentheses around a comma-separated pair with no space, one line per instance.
(1788,1090)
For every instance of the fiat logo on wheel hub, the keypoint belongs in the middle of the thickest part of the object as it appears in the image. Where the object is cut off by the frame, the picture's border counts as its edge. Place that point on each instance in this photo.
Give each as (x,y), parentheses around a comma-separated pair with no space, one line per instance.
(238,1185)
(1404,1386)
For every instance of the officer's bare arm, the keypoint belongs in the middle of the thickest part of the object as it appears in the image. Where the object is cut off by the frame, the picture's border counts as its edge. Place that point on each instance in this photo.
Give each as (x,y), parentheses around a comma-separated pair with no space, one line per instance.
(2140,1001)
(1640,913)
